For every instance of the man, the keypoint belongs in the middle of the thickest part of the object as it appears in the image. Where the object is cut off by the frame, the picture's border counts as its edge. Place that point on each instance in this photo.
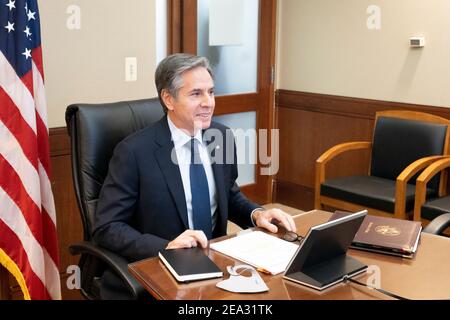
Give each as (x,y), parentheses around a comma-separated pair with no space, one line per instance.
(164,189)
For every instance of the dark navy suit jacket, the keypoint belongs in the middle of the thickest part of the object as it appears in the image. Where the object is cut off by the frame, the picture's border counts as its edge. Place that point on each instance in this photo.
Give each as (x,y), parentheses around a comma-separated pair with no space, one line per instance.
(142,206)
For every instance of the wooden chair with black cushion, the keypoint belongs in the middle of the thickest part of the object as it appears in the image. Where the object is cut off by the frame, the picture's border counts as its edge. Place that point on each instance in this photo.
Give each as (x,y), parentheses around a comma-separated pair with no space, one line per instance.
(404,143)
(428,209)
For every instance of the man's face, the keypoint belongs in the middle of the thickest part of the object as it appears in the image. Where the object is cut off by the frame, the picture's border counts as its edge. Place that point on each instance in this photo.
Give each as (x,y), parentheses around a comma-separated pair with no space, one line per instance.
(193,108)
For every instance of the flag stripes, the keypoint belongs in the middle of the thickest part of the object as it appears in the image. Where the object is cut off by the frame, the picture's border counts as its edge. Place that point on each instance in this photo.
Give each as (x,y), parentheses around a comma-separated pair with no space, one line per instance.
(28,235)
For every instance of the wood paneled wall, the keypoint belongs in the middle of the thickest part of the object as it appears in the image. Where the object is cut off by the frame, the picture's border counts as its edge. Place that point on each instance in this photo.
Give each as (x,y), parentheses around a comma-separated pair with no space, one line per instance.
(312,123)
(70,229)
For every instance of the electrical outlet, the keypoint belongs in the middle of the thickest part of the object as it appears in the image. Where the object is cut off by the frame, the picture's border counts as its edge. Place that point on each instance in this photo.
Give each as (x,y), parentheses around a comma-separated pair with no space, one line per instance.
(130,69)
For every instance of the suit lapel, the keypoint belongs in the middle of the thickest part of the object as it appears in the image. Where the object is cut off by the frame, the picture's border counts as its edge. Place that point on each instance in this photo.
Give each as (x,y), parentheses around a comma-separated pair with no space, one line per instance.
(171,170)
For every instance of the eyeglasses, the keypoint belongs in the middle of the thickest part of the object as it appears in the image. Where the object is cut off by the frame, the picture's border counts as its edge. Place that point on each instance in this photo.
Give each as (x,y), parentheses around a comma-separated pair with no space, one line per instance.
(291,236)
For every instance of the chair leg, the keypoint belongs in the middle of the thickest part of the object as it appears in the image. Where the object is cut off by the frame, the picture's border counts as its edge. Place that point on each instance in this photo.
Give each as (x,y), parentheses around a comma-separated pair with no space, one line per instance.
(318,204)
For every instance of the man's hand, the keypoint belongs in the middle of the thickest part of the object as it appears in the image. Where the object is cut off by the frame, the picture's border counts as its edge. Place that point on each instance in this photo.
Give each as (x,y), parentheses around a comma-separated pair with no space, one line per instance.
(263,219)
(189,239)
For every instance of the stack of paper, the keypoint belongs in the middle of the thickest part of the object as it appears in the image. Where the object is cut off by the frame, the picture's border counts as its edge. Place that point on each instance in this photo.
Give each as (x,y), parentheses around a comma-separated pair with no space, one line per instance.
(260,250)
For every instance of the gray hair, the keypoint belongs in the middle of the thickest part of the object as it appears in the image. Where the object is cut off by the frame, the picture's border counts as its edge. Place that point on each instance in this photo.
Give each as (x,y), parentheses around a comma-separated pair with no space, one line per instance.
(169,72)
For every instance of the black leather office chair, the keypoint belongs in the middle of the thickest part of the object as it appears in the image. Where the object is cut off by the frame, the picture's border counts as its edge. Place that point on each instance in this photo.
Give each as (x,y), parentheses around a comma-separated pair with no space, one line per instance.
(404,143)
(95,130)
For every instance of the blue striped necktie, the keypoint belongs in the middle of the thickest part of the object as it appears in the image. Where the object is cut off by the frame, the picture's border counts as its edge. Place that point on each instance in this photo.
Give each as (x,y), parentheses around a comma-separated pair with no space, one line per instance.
(201,206)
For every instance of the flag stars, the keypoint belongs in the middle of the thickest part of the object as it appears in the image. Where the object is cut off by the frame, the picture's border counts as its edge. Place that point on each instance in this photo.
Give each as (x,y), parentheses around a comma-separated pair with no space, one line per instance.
(27,53)
(11,4)
(10,27)
(27,32)
(31,15)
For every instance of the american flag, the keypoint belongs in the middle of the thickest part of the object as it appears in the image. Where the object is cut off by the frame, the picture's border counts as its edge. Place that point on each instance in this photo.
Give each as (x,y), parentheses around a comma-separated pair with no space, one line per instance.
(28,238)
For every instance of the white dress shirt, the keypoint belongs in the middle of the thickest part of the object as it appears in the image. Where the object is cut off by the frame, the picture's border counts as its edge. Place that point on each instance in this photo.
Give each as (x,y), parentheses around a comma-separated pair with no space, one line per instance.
(182,145)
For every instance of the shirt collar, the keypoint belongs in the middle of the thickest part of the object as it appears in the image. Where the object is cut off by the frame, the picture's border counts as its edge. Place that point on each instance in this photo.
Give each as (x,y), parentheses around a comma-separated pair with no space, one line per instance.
(179,137)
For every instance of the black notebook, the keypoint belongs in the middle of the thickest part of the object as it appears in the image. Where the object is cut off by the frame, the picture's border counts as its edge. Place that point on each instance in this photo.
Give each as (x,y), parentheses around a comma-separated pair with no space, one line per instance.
(189,264)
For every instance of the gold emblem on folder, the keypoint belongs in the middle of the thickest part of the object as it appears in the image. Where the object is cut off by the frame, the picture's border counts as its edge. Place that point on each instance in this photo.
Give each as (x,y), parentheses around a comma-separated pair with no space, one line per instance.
(387,231)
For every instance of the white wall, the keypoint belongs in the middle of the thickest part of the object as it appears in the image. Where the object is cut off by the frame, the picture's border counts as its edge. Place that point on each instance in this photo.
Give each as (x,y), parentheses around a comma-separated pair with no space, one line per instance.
(324,46)
(88,65)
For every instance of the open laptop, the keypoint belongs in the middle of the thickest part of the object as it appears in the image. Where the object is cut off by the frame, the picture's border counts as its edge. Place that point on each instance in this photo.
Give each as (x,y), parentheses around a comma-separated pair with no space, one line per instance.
(321,260)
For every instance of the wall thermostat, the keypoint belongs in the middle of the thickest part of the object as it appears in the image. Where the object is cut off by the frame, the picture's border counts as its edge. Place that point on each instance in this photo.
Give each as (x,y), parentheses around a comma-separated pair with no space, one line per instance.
(417,42)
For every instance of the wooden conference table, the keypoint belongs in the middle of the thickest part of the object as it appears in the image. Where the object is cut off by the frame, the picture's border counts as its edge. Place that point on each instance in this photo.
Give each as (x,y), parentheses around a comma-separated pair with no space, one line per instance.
(426,276)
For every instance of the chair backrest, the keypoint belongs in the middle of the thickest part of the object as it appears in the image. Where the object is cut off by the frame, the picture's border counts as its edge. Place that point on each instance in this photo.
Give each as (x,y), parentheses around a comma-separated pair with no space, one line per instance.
(95,130)
(402,137)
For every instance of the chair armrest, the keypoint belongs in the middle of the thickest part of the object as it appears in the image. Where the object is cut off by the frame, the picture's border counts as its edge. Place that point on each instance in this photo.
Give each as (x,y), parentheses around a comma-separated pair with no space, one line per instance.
(341,148)
(402,181)
(416,166)
(118,264)
(329,155)
(422,180)
(438,225)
